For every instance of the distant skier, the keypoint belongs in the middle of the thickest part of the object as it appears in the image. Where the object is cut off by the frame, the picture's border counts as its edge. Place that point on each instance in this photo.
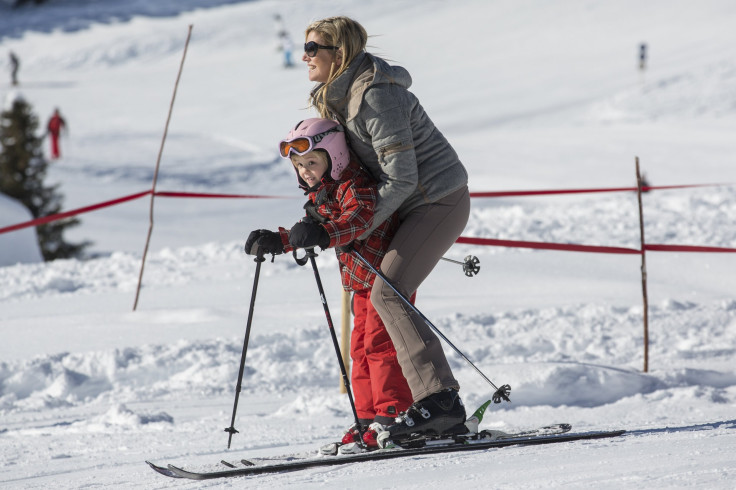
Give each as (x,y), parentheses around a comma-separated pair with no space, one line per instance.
(14,66)
(55,126)
(642,56)
(287,46)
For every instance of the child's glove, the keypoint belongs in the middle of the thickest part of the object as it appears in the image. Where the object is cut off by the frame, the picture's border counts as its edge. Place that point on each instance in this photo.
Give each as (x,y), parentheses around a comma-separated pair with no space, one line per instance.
(265,241)
(307,234)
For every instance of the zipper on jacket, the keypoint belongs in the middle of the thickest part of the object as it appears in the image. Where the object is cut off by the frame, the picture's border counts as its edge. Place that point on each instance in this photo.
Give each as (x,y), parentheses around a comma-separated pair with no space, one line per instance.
(392,148)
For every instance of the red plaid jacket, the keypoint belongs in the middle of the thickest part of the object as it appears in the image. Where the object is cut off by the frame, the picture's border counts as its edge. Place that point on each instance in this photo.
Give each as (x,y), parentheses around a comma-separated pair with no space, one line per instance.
(346,208)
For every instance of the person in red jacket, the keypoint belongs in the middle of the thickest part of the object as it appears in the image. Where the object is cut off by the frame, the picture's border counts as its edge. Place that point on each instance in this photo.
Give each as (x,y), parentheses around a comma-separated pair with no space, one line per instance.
(342,198)
(55,126)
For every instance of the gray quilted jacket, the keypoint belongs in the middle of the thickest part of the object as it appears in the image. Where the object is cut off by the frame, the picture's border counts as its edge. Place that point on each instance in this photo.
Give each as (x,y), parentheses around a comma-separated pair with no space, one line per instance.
(393,137)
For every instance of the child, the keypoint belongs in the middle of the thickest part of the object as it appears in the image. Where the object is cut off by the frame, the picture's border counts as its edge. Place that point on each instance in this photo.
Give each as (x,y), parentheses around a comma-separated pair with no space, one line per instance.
(342,198)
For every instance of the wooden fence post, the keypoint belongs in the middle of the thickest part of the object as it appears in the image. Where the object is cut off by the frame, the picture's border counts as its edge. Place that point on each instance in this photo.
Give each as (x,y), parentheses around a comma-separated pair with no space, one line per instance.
(643,270)
(158,164)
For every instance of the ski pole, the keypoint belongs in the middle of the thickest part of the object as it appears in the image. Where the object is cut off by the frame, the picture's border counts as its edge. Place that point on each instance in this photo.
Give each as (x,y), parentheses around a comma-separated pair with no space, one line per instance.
(231,430)
(470,264)
(345,378)
(500,393)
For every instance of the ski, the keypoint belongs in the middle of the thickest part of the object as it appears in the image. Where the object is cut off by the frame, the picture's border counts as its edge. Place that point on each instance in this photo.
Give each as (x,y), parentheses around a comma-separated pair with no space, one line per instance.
(335,448)
(163,471)
(467,445)
(547,430)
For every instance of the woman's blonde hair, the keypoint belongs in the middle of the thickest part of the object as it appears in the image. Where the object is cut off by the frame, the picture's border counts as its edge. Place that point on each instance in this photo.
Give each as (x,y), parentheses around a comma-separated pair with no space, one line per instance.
(350,37)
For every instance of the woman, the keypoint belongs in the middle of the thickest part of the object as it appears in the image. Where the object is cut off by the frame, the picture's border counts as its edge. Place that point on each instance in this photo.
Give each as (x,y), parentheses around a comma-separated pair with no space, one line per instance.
(421,177)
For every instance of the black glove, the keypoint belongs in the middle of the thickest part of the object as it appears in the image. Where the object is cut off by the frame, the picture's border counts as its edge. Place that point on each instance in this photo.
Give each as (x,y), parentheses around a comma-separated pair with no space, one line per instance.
(252,238)
(264,242)
(307,234)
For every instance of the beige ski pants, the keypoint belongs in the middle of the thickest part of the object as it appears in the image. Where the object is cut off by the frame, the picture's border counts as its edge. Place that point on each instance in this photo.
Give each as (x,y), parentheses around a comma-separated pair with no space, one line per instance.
(421,240)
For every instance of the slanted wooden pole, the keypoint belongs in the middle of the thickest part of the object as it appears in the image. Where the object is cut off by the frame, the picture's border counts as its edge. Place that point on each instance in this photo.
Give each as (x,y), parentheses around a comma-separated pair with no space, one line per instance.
(643,270)
(155,173)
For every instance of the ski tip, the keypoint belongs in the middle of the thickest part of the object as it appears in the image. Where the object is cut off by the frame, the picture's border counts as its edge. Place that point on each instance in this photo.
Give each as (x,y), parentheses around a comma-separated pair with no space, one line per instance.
(162,471)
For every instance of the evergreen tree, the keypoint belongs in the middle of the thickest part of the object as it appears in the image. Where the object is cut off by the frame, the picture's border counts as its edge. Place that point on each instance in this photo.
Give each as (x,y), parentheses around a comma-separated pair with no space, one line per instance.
(22,171)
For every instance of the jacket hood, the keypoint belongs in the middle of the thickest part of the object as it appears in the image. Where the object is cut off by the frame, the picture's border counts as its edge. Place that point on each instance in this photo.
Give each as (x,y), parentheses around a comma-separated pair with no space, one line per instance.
(385,73)
(345,92)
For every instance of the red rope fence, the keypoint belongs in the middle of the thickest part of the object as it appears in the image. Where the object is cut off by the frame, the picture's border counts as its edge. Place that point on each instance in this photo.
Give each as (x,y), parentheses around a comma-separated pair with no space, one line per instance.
(686,248)
(55,217)
(546,246)
(217,196)
(572,247)
(462,240)
(86,209)
(585,191)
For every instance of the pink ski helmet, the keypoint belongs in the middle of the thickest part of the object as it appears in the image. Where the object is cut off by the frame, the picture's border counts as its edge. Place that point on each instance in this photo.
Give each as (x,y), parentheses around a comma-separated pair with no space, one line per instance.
(319,134)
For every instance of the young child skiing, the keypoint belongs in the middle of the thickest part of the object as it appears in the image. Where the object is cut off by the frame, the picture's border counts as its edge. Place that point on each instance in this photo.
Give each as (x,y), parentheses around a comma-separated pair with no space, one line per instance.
(342,199)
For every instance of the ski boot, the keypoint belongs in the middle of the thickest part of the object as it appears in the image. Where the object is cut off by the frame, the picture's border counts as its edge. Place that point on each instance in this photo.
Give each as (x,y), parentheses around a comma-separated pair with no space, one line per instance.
(439,414)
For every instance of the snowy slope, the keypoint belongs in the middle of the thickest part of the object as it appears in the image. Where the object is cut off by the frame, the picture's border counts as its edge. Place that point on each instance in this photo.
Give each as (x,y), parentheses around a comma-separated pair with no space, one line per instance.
(20,247)
(533,94)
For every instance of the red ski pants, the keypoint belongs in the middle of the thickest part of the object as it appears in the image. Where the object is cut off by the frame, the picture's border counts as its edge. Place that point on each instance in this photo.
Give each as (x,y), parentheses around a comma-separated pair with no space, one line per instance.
(379,387)
(55,153)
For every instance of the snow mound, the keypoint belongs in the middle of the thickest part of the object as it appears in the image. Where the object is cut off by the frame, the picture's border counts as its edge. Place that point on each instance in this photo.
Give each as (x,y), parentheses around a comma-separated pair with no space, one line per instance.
(121,417)
(543,356)
(118,272)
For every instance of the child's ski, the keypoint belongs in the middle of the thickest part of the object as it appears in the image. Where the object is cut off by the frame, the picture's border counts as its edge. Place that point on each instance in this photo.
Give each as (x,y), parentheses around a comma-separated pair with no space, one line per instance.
(470,445)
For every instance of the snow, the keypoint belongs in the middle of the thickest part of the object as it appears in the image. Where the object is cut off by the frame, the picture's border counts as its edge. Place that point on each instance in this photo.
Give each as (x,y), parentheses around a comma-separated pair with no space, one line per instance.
(532,94)
(20,247)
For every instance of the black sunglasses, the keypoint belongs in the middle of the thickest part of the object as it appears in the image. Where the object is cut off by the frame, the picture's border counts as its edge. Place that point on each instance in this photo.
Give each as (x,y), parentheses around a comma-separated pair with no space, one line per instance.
(312,47)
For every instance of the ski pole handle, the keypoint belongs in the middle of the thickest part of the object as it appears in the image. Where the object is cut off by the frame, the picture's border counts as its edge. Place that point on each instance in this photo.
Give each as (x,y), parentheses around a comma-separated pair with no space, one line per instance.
(302,261)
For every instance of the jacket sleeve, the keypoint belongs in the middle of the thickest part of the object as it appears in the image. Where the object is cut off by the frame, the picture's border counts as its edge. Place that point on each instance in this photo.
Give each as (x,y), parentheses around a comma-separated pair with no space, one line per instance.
(387,121)
(284,233)
(357,205)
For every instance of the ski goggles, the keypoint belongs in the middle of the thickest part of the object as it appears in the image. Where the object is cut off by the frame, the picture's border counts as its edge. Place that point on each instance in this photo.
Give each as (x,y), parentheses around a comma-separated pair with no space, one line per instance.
(304,144)
(311,48)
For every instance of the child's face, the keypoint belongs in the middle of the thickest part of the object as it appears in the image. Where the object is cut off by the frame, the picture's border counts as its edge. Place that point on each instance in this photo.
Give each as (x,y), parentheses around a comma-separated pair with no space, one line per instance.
(311,166)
